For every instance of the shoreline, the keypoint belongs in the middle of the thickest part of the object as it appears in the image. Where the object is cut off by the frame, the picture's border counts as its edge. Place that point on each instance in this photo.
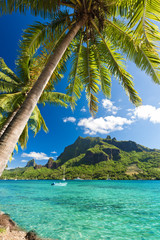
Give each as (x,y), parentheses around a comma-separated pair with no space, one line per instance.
(9,230)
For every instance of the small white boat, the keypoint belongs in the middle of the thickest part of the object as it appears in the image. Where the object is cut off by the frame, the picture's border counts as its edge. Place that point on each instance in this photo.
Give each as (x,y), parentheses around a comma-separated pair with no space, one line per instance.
(59,184)
(78,178)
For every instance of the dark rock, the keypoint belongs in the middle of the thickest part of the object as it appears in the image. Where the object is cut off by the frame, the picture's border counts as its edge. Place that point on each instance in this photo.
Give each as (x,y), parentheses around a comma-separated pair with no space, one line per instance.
(38,166)
(31,235)
(93,158)
(6,221)
(108,137)
(51,164)
(31,163)
(80,146)
(128,146)
(114,139)
(113,154)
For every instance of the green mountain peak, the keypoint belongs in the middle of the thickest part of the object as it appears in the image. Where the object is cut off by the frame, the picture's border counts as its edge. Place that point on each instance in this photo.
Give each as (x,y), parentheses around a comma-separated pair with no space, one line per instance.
(96,158)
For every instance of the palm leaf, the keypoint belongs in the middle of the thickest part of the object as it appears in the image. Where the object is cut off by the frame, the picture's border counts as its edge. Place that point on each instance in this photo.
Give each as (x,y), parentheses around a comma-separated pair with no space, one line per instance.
(6,87)
(142,17)
(8,72)
(9,102)
(36,121)
(104,73)
(42,8)
(36,34)
(145,58)
(55,98)
(115,63)
(24,137)
(89,76)
(75,84)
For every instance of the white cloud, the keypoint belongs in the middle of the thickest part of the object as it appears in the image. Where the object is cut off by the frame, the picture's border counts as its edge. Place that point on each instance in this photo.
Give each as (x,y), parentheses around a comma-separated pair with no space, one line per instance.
(69,119)
(83,109)
(24,161)
(54,152)
(35,155)
(146,112)
(103,125)
(109,105)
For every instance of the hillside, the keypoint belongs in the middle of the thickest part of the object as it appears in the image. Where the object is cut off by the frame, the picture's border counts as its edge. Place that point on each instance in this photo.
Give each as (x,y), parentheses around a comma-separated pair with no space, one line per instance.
(95,158)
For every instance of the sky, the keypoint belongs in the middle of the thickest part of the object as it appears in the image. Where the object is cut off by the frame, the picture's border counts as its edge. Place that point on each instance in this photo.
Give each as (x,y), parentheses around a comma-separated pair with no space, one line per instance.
(116,117)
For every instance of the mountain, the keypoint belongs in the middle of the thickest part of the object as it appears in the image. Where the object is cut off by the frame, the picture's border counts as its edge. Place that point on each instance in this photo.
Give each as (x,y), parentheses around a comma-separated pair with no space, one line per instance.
(31,163)
(78,147)
(96,158)
(51,164)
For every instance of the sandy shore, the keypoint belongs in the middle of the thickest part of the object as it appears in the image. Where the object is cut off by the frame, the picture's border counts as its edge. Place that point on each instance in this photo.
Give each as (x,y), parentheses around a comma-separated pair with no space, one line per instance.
(12,235)
(10,231)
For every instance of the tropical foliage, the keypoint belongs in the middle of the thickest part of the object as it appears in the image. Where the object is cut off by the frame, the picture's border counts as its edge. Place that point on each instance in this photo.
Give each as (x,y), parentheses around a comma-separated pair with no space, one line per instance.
(97,37)
(14,89)
(109,26)
(134,162)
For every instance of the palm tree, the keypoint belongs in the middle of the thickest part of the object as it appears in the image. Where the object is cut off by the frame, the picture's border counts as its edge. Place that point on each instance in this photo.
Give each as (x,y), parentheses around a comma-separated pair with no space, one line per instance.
(13,91)
(98,32)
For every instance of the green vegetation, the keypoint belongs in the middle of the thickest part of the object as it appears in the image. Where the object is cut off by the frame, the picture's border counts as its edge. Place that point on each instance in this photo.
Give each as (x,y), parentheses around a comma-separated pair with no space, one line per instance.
(2,230)
(96,37)
(14,90)
(95,158)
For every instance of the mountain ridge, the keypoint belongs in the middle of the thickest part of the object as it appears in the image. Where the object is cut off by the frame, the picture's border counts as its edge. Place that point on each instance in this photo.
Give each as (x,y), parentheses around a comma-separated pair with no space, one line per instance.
(97,158)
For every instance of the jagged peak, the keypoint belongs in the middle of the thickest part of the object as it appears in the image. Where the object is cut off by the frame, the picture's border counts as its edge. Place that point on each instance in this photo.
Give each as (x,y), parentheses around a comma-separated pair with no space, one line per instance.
(31,163)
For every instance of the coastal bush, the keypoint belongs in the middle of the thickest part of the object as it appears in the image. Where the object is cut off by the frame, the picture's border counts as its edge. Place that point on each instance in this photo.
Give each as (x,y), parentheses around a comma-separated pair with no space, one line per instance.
(2,229)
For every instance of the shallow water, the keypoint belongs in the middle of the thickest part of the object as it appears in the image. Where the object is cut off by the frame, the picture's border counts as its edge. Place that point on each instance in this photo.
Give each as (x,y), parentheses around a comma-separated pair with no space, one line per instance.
(87,210)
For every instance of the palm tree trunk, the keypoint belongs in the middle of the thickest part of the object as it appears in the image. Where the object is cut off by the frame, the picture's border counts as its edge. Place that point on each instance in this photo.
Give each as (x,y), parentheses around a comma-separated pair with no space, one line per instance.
(15,128)
(7,122)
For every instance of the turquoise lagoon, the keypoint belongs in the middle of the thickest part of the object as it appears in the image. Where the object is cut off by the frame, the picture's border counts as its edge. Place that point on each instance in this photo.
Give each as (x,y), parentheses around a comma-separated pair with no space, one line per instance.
(87,210)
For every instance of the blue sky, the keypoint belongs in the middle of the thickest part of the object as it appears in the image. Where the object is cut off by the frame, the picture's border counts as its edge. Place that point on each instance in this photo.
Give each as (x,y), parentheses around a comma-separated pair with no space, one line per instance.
(116,117)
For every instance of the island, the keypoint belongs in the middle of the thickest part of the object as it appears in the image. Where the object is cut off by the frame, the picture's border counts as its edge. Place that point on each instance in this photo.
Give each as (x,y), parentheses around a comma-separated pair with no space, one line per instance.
(95,158)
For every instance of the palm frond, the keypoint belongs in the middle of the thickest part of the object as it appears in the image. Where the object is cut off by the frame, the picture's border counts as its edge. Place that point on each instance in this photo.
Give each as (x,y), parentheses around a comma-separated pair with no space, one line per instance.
(7,79)
(23,139)
(118,7)
(144,56)
(36,121)
(9,102)
(3,119)
(41,60)
(6,87)
(55,98)
(8,72)
(34,37)
(75,86)
(104,73)
(142,18)
(89,76)
(36,34)
(42,8)
(9,82)
(115,63)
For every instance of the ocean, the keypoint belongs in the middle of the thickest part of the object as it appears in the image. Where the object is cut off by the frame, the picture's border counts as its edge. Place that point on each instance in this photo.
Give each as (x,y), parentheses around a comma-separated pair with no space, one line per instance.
(87,210)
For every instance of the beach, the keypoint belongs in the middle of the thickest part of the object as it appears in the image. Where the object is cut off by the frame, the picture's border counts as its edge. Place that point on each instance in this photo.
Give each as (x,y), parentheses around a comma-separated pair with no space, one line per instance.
(9,230)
